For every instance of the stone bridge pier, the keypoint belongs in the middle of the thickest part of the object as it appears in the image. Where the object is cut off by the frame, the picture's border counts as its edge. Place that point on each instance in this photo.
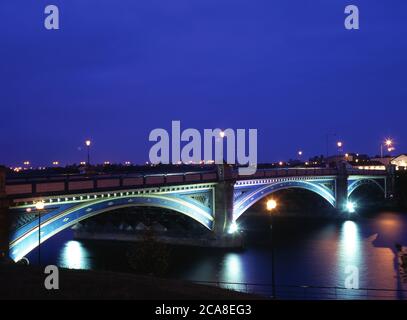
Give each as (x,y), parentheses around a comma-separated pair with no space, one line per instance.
(223,202)
(341,190)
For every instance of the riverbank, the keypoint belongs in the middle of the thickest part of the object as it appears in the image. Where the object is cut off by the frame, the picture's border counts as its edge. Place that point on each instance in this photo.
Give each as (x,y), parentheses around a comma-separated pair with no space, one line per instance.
(229,242)
(27,282)
(402,262)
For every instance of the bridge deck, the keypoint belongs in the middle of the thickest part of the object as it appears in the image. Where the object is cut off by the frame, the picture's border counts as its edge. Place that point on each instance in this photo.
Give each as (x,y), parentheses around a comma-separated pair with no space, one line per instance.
(69,184)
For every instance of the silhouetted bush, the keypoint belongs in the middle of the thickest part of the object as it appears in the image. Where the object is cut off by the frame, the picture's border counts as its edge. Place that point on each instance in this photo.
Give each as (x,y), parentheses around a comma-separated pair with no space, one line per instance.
(149,256)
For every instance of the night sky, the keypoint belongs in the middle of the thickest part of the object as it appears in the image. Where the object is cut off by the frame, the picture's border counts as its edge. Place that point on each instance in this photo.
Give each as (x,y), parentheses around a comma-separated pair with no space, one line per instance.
(118,69)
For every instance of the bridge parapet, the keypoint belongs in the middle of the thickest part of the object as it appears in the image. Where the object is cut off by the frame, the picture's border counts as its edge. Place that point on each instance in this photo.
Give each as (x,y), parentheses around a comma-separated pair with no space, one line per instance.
(286,172)
(20,188)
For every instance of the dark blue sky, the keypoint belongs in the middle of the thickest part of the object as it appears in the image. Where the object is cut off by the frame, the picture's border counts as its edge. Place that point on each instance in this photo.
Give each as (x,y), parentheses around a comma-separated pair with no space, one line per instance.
(118,69)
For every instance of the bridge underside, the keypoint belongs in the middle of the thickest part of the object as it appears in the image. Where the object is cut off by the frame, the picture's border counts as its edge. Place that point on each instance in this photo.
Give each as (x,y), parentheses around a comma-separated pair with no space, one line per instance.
(196,202)
(247,193)
(354,182)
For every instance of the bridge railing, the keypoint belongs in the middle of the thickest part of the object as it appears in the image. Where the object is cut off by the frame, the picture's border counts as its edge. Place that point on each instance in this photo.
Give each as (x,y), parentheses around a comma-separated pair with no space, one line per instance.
(287,172)
(69,184)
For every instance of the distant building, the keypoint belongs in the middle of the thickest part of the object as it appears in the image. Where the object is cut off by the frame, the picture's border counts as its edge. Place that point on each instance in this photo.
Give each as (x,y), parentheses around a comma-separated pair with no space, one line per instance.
(400,162)
(369,165)
(352,158)
(384,160)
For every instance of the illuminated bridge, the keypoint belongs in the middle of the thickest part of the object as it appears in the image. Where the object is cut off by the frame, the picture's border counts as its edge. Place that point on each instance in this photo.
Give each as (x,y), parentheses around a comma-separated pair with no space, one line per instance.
(215,198)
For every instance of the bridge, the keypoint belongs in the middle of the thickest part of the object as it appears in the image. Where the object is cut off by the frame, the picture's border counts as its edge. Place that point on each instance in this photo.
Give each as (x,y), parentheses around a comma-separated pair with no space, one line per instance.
(215,198)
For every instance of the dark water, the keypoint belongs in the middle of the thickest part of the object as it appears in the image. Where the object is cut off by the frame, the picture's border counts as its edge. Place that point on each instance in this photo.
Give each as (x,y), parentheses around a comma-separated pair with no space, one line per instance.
(307,252)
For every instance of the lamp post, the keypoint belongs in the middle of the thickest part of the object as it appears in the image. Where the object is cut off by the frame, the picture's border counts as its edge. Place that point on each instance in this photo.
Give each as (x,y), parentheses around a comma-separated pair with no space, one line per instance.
(272,205)
(339,144)
(88,143)
(388,143)
(39,206)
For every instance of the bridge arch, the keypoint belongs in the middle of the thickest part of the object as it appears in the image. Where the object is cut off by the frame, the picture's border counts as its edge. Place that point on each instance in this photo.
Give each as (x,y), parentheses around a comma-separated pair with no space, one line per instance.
(244,202)
(355,184)
(58,218)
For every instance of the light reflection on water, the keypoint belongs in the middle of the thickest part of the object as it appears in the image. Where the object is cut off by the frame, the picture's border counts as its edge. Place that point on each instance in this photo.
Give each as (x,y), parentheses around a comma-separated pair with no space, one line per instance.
(74,256)
(350,242)
(349,253)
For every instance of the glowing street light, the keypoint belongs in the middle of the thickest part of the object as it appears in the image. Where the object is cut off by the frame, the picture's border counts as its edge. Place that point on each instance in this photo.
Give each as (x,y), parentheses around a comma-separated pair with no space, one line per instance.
(339,144)
(233,228)
(389,145)
(88,143)
(222,134)
(40,205)
(271,206)
(351,207)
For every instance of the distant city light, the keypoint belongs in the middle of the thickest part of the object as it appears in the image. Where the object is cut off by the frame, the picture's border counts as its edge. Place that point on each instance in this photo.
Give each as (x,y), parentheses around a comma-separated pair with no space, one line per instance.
(388,142)
(300,153)
(127,163)
(55,163)
(280,163)
(106,163)
(88,143)
(339,144)
(26,163)
(82,163)
(222,134)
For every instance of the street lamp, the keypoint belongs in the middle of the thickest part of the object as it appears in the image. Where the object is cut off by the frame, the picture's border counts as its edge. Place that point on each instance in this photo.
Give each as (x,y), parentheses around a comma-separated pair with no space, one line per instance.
(272,205)
(389,145)
(88,143)
(339,144)
(39,206)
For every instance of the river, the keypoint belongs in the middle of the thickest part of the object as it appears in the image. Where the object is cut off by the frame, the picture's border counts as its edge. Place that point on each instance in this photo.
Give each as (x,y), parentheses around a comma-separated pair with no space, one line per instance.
(312,252)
